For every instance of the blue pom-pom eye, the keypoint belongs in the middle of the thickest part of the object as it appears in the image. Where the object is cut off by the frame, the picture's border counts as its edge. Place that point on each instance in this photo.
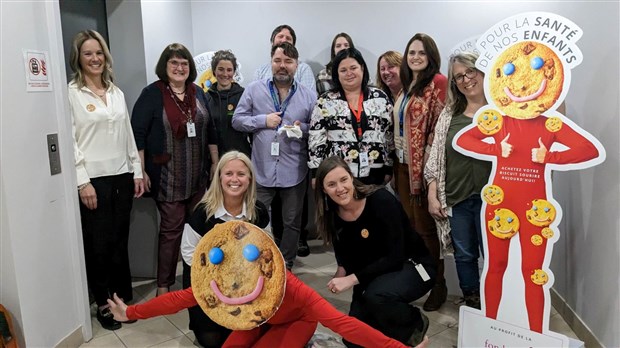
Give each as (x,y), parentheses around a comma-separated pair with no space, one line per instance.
(537,63)
(494,118)
(496,218)
(490,190)
(509,68)
(534,208)
(251,252)
(546,210)
(486,117)
(216,256)
(509,220)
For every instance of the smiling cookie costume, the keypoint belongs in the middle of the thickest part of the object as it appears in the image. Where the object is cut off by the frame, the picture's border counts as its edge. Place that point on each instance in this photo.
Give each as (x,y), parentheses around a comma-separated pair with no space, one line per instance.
(240,281)
(523,81)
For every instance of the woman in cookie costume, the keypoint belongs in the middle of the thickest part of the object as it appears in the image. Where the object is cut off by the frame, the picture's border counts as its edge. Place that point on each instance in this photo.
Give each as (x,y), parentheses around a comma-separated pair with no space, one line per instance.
(223,97)
(524,81)
(177,142)
(353,121)
(324,80)
(415,114)
(109,173)
(231,196)
(378,254)
(455,180)
(240,280)
(388,74)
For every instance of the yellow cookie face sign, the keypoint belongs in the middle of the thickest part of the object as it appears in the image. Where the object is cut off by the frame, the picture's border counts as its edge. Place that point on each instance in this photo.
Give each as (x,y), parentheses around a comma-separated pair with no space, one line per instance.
(493,194)
(526,80)
(206,80)
(541,214)
(547,232)
(539,277)
(537,240)
(490,122)
(505,224)
(553,124)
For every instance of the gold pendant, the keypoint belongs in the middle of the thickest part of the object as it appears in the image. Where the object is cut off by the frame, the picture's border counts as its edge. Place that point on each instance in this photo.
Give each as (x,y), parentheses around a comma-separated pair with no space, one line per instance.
(231,107)
(365,233)
(90,107)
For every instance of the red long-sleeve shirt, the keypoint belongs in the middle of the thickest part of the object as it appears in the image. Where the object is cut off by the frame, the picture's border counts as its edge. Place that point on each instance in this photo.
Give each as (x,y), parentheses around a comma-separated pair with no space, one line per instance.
(300,303)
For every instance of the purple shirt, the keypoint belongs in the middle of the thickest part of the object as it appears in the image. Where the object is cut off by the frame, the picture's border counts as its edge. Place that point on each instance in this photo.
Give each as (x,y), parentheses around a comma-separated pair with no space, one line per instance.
(290,167)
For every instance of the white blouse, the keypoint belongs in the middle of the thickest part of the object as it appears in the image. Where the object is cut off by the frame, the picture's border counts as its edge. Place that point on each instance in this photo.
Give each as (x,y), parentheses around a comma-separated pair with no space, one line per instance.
(103,140)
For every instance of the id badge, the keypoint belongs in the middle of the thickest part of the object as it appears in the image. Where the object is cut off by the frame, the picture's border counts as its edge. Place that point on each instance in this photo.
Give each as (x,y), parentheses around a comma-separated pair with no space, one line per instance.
(422,272)
(364,159)
(401,155)
(191,129)
(275,149)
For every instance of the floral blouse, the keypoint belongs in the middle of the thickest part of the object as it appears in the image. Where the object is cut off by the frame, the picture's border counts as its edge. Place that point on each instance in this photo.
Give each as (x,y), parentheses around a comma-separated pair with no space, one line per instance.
(332,132)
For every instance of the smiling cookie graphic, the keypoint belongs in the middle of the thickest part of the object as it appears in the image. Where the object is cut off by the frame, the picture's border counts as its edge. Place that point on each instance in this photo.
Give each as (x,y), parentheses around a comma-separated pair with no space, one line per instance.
(539,277)
(490,122)
(238,275)
(526,80)
(504,224)
(493,194)
(553,124)
(541,214)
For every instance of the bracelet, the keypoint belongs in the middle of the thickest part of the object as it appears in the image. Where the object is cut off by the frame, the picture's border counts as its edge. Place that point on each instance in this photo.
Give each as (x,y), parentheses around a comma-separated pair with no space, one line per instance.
(81,187)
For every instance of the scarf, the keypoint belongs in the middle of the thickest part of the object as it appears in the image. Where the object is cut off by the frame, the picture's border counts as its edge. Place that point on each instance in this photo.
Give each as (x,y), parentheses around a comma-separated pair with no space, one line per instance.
(178,111)
(422,114)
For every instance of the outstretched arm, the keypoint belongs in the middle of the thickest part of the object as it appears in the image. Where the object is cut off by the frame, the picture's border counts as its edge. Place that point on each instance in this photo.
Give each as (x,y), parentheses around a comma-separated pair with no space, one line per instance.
(169,303)
(351,329)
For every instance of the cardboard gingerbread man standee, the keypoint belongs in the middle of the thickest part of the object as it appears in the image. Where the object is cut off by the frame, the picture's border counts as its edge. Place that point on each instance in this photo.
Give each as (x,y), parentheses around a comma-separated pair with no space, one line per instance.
(524,136)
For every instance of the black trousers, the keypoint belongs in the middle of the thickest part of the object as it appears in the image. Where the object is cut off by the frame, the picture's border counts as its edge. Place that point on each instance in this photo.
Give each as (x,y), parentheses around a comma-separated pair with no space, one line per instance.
(208,333)
(277,225)
(105,231)
(384,303)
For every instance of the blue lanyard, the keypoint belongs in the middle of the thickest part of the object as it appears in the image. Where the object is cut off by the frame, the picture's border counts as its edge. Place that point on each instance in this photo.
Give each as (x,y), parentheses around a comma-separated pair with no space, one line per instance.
(276,99)
(401,113)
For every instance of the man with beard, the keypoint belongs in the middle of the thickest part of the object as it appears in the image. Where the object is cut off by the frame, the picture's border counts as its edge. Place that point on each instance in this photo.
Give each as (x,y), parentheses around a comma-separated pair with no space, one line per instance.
(303,72)
(276,110)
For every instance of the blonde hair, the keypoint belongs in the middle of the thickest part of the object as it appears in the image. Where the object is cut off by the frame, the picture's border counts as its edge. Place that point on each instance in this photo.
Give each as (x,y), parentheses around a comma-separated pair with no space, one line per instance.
(393,58)
(74,58)
(214,197)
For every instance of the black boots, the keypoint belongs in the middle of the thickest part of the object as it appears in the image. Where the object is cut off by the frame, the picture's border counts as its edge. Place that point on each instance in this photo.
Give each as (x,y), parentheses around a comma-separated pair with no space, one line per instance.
(472,299)
(437,297)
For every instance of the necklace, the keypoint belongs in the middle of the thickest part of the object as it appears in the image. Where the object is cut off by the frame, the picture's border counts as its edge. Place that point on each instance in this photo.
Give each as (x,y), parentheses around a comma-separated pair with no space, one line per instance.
(97,94)
(177,93)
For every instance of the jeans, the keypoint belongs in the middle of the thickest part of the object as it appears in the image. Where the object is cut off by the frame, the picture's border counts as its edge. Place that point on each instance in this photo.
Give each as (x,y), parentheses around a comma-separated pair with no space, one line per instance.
(467,241)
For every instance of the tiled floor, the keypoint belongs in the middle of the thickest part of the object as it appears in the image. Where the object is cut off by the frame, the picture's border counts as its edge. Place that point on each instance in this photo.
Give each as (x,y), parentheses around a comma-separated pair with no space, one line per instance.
(315,270)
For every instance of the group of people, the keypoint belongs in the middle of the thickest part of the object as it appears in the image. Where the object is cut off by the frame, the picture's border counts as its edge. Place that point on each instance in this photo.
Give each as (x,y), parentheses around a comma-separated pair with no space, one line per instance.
(257,150)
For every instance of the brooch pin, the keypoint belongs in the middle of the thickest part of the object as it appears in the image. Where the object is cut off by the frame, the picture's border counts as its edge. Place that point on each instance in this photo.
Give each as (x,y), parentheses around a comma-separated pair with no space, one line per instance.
(365,233)
(90,107)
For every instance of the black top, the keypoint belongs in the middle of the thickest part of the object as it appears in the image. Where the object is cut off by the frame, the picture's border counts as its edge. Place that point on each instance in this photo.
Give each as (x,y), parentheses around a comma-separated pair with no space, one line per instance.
(199,222)
(379,241)
(223,104)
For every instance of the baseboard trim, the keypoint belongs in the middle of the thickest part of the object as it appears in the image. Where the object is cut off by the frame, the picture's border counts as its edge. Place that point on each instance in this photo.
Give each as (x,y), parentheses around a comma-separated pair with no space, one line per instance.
(72,340)
(573,320)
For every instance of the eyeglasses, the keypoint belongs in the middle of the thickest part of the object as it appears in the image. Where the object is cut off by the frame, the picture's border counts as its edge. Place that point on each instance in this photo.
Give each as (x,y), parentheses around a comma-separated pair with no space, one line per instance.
(175,64)
(469,73)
